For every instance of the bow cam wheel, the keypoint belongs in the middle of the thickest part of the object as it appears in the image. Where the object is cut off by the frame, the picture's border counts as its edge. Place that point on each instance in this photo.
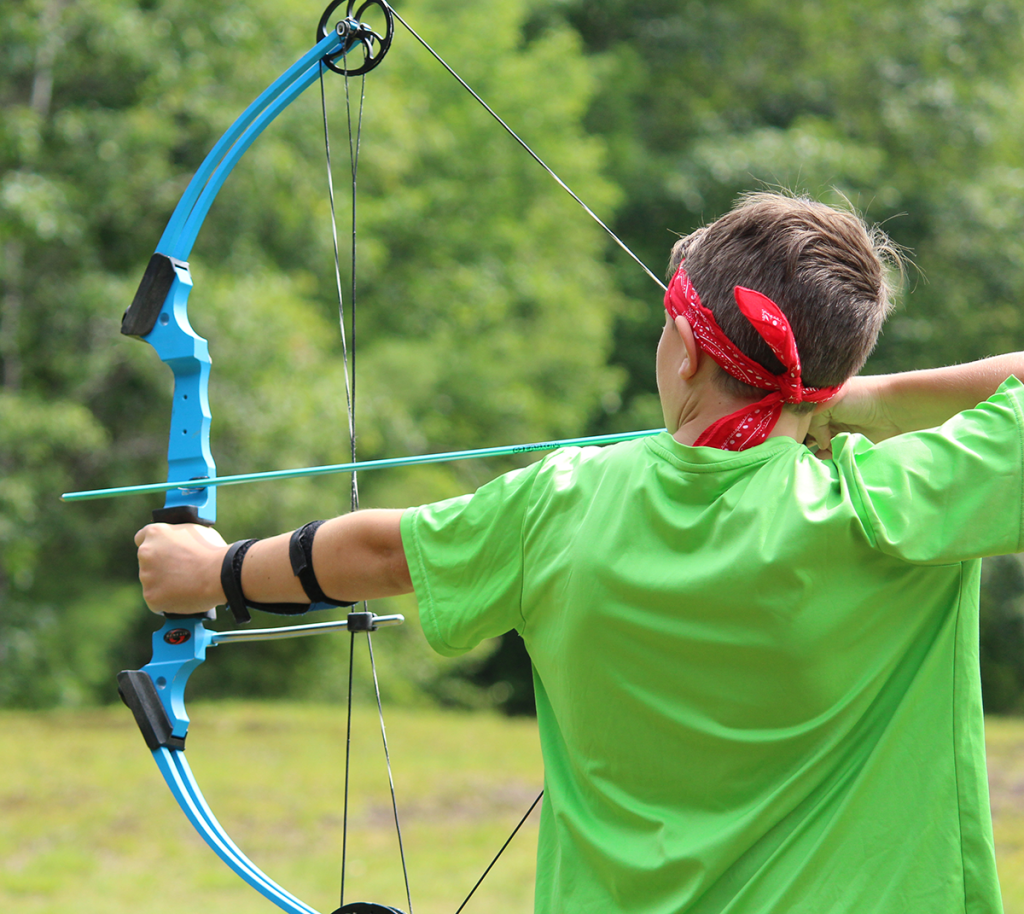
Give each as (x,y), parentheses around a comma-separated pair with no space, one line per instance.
(366,35)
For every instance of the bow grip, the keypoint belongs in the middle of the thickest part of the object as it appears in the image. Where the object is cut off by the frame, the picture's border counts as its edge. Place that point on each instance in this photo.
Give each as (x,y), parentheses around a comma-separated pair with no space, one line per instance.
(183,514)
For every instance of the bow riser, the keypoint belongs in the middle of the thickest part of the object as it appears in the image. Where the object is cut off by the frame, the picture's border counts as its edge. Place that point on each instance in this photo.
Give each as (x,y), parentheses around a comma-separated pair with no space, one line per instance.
(159,311)
(178,648)
(156,693)
(188,356)
(159,315)
(156,696)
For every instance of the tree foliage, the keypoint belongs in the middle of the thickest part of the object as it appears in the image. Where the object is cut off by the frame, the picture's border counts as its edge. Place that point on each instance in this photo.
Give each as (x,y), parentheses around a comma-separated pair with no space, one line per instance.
(485,313)
(910,111)
(490,308)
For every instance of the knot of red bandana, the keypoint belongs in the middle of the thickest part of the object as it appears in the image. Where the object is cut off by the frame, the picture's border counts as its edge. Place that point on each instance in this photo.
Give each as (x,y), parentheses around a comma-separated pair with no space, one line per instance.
(754,423)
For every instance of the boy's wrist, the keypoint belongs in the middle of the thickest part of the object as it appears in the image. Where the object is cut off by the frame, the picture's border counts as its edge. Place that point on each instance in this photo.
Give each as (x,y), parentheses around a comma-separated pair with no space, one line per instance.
(863,407)
(211,577)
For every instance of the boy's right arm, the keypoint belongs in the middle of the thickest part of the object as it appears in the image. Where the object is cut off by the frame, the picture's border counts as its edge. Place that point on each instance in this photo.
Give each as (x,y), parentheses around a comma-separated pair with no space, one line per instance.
(880,406)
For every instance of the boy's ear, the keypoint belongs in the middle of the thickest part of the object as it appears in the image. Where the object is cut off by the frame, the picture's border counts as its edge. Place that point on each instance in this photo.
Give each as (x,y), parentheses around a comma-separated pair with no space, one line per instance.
(691,361)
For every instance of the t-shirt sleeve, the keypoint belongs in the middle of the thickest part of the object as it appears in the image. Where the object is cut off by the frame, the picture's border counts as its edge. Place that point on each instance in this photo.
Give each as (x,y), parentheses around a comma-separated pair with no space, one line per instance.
(946,494)
(465,558)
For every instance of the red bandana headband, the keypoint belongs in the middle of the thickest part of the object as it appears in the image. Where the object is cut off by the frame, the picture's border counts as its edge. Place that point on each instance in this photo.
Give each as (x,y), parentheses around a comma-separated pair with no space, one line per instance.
(751,425)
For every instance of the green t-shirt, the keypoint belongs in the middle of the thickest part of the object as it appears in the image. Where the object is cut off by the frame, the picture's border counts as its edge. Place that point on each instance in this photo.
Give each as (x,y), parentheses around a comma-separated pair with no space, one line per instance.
(756,673)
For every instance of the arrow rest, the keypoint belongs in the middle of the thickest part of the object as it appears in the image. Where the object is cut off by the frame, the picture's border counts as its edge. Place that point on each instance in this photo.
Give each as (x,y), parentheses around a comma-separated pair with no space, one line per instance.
(353,31)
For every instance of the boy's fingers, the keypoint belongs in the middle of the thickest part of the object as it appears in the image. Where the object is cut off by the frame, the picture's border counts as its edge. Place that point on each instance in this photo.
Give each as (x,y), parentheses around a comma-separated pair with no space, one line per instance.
(209,534)
(180,566)
(820,432)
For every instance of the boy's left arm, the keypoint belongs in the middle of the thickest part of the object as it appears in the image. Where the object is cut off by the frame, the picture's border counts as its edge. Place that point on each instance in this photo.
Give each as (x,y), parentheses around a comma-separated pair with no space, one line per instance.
(356,557)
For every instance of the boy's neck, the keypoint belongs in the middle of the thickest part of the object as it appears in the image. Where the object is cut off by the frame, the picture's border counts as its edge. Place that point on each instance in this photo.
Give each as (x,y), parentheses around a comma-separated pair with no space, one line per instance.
(788,426)
(691,395)
(704,403)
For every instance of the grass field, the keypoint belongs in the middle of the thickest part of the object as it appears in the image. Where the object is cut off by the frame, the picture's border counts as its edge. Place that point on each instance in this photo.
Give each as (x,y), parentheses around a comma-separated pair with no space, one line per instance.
(87,825)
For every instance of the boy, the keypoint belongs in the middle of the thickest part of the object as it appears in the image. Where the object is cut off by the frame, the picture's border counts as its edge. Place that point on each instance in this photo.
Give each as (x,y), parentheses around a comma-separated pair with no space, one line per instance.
(756,671)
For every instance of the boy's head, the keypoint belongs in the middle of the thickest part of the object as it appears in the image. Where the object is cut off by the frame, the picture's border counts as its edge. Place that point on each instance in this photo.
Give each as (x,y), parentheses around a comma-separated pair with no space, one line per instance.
(825,269)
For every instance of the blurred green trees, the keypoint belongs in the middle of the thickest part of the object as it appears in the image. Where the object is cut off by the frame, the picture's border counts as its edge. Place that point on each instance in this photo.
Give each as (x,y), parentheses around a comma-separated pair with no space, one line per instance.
(485,308)
(491,310)
(910,110)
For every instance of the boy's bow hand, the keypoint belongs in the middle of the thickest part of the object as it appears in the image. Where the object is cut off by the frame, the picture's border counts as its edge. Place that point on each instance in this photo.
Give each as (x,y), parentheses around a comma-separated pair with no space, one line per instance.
(179,567)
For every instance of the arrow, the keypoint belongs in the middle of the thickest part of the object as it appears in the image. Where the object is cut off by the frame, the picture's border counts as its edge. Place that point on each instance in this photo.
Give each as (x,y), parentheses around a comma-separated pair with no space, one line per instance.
(381,464)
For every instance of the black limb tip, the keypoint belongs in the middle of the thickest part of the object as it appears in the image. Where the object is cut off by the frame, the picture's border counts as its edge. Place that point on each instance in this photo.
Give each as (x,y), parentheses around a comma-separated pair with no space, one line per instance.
(138,692)
(362,622)
(354,31)
(367,907)
(140,318)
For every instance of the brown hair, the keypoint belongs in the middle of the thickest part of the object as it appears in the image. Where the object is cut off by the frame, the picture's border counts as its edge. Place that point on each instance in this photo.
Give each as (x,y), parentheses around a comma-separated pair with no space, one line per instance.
(825,268)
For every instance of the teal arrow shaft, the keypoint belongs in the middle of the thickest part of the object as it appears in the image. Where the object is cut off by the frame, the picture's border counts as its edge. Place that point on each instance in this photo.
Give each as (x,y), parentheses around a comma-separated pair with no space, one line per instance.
(383,463)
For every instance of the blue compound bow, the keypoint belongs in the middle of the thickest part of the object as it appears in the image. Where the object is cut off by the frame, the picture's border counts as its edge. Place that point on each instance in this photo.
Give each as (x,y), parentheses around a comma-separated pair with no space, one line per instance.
(159,315)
